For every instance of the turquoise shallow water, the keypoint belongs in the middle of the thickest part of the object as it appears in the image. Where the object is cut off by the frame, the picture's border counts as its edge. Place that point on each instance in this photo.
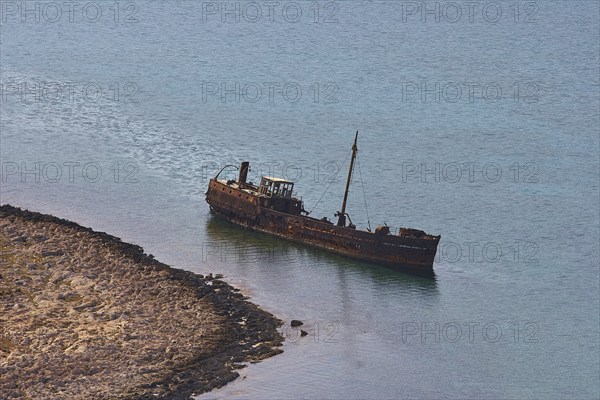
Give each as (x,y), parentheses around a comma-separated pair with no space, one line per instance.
(483,131)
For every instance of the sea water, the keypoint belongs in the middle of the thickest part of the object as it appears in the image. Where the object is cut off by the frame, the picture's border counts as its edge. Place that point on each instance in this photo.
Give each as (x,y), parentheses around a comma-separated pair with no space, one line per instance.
(477,121)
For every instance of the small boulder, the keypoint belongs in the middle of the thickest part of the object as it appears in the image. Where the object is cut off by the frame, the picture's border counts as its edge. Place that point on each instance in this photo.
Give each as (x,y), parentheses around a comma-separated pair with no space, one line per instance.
(40,238)
(296,323)
(52,253)
(66,296)
(114,315)
(303,333)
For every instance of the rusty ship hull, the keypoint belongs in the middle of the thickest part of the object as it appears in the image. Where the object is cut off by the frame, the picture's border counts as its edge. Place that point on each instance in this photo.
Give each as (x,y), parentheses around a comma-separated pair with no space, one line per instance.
(241,203)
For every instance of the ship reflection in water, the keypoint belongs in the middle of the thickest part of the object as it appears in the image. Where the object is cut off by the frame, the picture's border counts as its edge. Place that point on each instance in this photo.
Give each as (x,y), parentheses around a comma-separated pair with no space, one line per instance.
(354,313)
(272,208)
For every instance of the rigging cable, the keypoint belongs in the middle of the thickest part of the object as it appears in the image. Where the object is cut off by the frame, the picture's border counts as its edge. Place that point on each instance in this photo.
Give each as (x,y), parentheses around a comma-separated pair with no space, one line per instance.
(330,183)
(363,190)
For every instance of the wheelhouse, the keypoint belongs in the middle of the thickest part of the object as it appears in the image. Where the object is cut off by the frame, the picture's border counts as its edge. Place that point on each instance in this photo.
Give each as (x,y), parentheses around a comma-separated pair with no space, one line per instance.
(276,187)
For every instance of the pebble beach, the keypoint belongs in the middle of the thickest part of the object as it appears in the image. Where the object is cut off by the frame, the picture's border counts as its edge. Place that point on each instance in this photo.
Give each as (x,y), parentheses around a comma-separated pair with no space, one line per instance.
(85,315)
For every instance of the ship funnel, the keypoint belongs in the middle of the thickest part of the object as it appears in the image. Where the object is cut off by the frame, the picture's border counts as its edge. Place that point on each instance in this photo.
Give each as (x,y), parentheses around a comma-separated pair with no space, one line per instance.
(243,172)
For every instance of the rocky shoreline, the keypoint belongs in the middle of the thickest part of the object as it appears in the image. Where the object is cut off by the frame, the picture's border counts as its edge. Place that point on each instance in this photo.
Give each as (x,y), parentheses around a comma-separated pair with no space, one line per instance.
(85,315)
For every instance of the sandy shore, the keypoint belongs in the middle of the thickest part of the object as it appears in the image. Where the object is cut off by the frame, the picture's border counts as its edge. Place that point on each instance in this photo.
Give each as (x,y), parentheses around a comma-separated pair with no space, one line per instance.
(86,316)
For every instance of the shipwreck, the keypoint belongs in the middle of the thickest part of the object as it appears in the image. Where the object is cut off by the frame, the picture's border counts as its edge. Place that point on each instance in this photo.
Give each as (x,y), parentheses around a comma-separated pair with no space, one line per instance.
(272,208)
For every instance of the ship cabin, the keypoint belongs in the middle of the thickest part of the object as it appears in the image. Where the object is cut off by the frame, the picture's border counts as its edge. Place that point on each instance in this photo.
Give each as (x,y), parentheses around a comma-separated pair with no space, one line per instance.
(276,194)
(275,187)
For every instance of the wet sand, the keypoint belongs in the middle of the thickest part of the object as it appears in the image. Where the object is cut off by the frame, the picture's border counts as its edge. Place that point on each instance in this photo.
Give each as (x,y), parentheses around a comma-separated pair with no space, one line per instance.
(84,315)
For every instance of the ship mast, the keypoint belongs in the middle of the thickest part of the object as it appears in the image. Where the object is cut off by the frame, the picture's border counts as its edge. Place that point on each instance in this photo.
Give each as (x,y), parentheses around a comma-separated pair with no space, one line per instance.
(342,214)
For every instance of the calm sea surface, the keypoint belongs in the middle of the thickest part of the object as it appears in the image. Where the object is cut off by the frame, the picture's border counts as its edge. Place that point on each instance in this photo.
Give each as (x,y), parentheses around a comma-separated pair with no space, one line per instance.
(478,121)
